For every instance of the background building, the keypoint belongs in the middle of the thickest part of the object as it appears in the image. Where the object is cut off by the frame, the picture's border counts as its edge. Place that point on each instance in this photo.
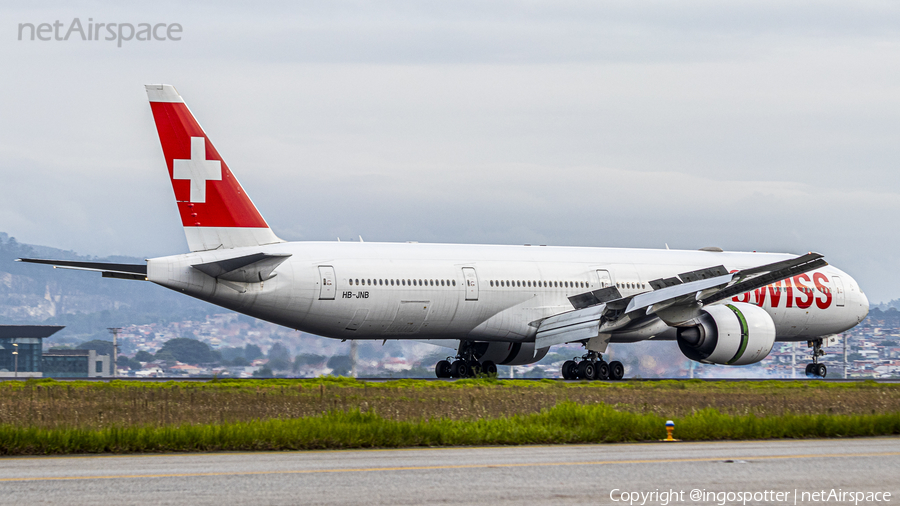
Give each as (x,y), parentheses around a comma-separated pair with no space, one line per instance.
(20,349)
(75,364)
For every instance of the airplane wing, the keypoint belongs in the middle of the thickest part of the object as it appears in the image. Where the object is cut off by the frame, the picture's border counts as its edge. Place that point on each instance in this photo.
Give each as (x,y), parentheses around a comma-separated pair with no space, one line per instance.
(674,300)
(108,270)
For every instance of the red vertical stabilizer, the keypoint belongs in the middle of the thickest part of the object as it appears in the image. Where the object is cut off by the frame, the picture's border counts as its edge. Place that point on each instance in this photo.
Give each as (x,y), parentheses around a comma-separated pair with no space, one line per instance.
(215,210)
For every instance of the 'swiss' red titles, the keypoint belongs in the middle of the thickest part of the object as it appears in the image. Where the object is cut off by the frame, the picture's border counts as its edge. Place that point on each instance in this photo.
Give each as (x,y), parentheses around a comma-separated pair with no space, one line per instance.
(800,291)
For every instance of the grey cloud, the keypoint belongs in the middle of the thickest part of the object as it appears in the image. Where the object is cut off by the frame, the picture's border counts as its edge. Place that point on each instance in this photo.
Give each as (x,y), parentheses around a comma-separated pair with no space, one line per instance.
(755,126)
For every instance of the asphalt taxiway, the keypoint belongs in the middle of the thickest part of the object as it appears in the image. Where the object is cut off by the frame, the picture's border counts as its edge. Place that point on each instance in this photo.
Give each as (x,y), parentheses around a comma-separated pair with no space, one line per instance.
(577,474)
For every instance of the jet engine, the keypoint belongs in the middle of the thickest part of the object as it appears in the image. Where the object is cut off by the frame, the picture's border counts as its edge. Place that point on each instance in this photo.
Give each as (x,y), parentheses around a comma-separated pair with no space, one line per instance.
(728,334)
(508,353)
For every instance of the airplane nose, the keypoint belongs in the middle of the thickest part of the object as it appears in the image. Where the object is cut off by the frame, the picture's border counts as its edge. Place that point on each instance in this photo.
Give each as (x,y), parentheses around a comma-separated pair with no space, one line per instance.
(863,306)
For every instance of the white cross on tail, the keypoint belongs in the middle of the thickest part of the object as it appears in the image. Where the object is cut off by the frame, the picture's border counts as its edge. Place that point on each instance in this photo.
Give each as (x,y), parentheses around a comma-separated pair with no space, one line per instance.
(198,169)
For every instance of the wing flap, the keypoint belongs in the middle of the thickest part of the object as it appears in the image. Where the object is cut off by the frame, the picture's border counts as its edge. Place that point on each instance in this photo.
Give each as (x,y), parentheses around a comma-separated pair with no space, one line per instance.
(570,326)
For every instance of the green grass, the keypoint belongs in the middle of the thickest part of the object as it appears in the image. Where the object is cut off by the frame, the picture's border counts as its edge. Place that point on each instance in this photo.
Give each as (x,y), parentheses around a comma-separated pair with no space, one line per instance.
(565,423)
(48,404)
(344,382)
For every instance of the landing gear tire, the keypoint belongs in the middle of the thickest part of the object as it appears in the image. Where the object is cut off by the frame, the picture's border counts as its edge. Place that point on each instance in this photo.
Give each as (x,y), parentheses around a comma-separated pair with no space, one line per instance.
(815,369)
(568,370)
(489,368)
(459,369)
(616,370)
(586,370)
(601,371)
(442,369)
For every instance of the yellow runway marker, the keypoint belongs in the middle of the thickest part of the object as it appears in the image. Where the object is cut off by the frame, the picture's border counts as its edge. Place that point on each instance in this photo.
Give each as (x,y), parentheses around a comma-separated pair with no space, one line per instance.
(431,468)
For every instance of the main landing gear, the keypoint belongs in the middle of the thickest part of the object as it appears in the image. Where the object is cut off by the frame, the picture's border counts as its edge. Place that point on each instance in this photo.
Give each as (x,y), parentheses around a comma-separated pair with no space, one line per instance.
(815,369)
(464,365)
(592,367)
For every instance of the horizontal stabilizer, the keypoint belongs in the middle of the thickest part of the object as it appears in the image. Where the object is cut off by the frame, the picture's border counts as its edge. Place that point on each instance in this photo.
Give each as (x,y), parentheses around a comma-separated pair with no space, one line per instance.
(121,271)
(246,269)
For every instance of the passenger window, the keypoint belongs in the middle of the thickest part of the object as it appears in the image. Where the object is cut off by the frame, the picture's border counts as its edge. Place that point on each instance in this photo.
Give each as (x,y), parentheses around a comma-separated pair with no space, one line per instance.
(454,282)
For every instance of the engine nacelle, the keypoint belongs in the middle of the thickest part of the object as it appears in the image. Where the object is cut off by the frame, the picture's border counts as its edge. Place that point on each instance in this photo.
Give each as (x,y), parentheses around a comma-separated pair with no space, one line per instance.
(729,334)
(508,353)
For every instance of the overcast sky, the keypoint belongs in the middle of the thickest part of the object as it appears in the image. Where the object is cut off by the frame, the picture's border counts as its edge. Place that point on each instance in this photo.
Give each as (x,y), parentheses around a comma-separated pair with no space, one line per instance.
(770,126)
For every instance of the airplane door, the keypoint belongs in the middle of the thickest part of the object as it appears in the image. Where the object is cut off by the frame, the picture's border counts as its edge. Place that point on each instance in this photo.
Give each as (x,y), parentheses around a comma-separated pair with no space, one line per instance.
(471,283)
(838,291)
(605,279)
(326,280)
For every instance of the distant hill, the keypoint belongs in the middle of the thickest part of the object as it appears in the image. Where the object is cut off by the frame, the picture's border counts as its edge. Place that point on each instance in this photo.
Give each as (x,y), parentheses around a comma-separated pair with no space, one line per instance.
(884,306)
(84,302)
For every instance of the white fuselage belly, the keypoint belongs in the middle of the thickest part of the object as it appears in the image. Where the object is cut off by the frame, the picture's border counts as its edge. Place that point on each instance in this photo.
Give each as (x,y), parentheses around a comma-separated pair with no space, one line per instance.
(365,305)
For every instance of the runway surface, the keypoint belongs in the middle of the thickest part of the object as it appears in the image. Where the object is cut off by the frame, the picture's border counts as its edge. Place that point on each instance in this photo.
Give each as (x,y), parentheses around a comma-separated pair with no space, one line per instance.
(582,474)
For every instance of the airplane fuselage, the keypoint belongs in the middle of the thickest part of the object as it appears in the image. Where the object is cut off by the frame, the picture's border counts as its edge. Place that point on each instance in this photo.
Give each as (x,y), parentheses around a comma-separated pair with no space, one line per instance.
(359,290)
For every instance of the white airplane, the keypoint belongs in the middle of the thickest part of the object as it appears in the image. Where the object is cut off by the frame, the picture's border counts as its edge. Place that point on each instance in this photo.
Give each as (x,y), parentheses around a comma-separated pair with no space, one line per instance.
(493,304)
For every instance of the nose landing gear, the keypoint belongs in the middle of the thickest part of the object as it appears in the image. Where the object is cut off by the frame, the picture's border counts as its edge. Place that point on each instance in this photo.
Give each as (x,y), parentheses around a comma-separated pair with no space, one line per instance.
(815,369)
(592,367)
